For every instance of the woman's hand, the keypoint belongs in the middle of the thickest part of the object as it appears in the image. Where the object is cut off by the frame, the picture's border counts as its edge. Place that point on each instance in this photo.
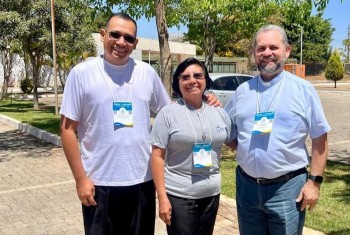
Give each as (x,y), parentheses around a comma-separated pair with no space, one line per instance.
(165,210)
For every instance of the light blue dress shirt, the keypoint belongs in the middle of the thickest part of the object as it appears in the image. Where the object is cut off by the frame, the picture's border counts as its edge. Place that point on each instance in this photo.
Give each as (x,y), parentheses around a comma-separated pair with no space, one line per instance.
(298,113)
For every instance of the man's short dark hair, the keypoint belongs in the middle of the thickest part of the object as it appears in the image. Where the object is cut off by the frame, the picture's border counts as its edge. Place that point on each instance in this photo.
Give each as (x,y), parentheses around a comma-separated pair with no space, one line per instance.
(123,16)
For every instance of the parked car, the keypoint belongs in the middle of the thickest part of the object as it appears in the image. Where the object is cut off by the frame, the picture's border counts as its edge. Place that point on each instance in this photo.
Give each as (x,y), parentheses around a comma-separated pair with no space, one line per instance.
(225,84)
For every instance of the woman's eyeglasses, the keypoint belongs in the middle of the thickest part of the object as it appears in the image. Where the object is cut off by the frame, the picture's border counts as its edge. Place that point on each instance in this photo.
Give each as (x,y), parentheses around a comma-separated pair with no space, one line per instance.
(187,77)
(117,35)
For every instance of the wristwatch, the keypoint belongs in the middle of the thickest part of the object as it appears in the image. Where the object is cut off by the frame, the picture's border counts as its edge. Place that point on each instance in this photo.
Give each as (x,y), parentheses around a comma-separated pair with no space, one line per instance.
(316,178)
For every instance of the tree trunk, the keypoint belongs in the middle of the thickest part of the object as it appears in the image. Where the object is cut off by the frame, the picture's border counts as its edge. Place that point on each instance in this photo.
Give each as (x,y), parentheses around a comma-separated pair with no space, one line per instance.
(210,45)
(335,83)
(164,48)
(62,75)
(36,63)
(6,60)
(209,54)
(209,62)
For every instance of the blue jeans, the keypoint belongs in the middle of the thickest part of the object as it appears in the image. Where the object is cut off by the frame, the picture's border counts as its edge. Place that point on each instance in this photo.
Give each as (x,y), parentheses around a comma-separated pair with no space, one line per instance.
(270,208)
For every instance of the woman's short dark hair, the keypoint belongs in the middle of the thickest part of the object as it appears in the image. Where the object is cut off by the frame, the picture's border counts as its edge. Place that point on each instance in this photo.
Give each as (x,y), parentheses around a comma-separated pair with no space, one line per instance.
(182,67)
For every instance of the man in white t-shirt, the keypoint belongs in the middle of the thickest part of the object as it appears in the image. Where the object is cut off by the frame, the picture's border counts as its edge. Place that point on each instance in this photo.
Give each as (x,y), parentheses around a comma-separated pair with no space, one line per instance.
(107,100)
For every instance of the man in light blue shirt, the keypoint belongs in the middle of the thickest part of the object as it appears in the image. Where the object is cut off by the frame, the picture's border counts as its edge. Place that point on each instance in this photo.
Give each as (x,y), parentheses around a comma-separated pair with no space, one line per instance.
(273,114)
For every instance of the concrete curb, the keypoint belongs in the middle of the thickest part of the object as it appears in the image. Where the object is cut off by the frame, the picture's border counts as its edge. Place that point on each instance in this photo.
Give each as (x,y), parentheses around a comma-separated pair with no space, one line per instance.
(38,133)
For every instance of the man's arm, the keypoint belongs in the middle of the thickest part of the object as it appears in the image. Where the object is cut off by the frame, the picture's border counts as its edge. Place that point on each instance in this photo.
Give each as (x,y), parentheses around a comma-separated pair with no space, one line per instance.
(311,191)
(85,188)
(213,100)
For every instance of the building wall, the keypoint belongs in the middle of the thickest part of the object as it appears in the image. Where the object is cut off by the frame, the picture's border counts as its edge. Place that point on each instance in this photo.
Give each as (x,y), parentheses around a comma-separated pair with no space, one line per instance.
(146,50)
(229,64)
(17,72)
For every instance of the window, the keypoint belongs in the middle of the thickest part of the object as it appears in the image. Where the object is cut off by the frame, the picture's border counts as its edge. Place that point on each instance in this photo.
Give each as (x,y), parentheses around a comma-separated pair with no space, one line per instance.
(225,83)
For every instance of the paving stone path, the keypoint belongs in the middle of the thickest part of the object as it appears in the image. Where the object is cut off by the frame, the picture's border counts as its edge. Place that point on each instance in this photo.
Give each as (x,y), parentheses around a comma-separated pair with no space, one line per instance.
(37,190)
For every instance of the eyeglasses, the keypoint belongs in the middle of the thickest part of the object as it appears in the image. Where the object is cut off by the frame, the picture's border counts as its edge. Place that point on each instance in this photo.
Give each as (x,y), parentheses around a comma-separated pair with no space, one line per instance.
(187,77)
(117,35)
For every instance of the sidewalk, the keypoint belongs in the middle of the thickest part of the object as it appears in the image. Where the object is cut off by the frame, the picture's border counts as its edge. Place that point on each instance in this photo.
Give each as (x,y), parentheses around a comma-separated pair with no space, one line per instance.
(37,190)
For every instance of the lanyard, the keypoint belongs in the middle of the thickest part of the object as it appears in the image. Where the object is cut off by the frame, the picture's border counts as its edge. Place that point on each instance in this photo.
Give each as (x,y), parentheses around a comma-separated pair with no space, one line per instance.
(202,126)
(277,94)
(110,85)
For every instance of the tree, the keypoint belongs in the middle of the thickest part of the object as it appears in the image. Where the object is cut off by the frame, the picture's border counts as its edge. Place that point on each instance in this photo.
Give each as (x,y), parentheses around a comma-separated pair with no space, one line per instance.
(221,27)
(8,45)
(178,11)
(163,36)
(75,43)
(34,28)
(317,36)
(217,24)
(334,69)
(166,14)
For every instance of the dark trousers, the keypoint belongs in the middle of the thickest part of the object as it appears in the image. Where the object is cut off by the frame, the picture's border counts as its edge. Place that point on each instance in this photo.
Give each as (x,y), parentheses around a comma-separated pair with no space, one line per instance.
(193,216)
(125,210)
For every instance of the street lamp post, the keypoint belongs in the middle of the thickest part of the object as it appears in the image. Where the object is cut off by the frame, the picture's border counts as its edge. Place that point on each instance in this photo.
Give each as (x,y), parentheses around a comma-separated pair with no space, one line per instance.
(54,54)
(301,42)
(301,46)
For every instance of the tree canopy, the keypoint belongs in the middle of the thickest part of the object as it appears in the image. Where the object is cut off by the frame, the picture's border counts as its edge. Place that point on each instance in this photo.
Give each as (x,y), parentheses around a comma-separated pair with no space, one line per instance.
(317,36)
(33,31)
(213,24)
(229,26)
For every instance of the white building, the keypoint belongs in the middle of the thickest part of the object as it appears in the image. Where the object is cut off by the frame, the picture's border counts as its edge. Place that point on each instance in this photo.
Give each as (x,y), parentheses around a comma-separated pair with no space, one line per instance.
(146,49)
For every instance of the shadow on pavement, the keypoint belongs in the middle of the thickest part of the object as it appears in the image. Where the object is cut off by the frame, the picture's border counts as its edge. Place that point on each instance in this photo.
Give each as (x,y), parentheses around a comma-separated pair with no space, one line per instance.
(17,144)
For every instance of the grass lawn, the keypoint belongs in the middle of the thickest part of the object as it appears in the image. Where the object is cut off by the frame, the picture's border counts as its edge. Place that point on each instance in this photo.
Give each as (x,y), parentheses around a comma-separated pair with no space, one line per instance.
(331,215)
(44,118)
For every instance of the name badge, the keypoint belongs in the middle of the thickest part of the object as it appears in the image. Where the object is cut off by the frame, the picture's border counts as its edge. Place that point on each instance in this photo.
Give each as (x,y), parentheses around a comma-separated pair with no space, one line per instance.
(122,114)
(202,155)
(263,123)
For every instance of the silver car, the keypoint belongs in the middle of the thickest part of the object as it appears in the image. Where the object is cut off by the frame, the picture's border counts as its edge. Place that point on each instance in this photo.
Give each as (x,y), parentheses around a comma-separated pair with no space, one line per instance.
(224,84)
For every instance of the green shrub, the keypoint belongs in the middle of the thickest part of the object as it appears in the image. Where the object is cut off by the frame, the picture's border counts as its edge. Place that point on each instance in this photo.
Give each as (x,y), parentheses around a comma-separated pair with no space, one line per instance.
(334,69)
(26,85)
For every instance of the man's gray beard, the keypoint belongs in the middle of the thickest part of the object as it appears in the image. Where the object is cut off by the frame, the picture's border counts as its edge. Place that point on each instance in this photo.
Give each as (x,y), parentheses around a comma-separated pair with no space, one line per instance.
(270,69)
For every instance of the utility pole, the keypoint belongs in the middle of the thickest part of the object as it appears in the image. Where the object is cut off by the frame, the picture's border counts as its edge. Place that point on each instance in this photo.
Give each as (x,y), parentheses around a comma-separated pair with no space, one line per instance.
(301,47)
(54,54)
(301,43)
(348,45)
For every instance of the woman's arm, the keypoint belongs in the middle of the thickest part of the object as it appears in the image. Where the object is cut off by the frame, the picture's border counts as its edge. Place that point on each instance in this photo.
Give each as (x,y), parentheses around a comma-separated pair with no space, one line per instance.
(158,162)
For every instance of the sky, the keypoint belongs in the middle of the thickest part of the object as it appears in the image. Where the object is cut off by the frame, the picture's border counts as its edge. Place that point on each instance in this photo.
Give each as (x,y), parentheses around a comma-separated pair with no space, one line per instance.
(338,12)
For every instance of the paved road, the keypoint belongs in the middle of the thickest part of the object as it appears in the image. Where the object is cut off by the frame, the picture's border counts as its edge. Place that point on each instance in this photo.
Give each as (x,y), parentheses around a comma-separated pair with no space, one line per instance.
(37,191)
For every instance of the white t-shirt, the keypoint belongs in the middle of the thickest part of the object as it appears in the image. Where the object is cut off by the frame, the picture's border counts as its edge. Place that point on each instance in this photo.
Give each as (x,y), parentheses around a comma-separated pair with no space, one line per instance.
(113,156)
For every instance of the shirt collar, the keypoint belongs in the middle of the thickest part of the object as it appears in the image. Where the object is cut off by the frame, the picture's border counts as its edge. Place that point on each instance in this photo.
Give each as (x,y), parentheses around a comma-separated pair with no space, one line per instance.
(274,81)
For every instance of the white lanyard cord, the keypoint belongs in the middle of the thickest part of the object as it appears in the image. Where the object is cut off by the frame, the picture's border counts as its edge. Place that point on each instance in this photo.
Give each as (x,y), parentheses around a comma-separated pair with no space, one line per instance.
(188,115)
(279,90)
(110,85)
